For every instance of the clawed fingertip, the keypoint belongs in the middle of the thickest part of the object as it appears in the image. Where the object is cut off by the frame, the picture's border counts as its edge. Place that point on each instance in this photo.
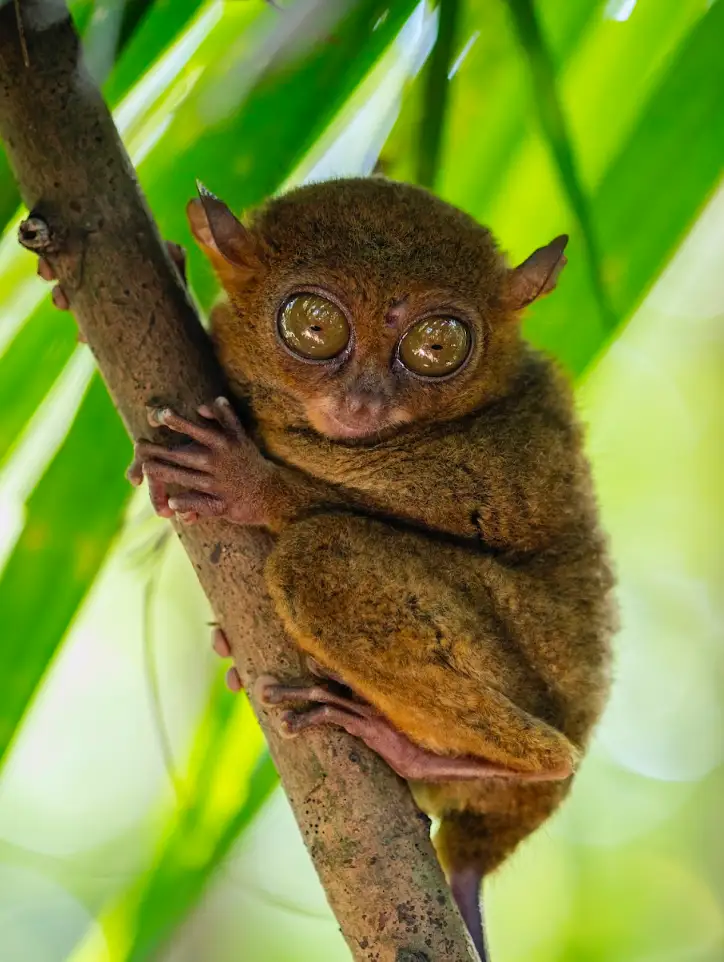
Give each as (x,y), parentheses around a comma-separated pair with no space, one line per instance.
(45,270)
(157,416)
(287,727)
(263,687)
(59,299)
(134,474)
(220,644)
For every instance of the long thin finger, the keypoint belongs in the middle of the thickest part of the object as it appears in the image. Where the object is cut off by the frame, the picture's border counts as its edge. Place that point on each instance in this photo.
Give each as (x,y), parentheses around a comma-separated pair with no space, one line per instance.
(233,680)
(211,437)
(59,298)
(203,505)
(186,456)
(227,416)
(295,722)
(220,643)
(281,694)
(185,477)
(134,473)
(159,498)
(45,270)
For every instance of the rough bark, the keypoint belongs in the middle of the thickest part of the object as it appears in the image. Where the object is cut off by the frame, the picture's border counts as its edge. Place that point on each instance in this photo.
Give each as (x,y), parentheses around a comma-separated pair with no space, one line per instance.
(368,842)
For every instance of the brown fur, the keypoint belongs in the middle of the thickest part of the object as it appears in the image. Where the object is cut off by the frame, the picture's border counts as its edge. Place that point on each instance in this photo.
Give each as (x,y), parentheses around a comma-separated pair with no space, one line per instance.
(450,568)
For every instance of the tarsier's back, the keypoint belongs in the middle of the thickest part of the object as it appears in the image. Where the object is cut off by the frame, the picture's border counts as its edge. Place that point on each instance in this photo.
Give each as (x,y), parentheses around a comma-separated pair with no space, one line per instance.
(438,549)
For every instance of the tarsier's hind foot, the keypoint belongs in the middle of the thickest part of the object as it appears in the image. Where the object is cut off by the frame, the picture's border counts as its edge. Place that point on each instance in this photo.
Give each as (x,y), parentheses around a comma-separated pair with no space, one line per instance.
(324,705)
(321,705)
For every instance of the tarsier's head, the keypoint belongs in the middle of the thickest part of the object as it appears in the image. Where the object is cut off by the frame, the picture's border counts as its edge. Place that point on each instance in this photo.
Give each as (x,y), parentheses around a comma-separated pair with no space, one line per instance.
(364,305)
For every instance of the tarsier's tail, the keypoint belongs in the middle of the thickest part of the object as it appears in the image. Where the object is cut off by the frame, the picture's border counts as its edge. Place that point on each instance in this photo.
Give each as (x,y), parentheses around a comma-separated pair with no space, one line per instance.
(465,884)
(469,846)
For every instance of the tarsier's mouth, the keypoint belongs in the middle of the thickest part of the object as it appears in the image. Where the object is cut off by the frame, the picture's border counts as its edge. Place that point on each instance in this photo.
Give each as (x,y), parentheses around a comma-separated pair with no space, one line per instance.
(354,428)
(340,424)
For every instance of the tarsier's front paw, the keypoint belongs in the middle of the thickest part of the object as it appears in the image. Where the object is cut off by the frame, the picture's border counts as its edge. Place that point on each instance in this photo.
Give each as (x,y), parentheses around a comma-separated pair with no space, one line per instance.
(221,473)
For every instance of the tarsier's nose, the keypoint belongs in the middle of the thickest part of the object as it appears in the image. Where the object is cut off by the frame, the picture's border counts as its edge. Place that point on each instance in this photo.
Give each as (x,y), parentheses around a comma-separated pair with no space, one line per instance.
(365,404)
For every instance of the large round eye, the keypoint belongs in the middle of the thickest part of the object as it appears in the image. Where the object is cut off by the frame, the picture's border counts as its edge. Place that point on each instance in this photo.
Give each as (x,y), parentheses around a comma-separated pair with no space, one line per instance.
(435,346)
(313,327)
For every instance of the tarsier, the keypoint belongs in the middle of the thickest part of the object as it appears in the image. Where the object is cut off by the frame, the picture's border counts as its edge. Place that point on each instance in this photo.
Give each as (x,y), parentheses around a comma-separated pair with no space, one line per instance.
(438,554)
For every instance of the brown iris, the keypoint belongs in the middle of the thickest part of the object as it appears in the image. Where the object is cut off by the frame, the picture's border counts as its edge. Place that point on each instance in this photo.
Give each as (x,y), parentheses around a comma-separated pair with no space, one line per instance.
(313,327)
(435,346)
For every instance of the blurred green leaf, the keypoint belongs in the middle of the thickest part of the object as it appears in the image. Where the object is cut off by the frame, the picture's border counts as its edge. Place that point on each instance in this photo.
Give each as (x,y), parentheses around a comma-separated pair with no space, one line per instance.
(487,117)
(146,31)
(436,87)
(498,166)
(541,66)
(9,196)
(672,162)
(29,366)
(231,778)
(81,12)
(186,865)
(641,210)
(73,516)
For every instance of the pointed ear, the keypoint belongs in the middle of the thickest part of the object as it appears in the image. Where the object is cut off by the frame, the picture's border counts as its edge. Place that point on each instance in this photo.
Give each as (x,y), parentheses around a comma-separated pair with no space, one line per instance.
(217,230)
(537,275)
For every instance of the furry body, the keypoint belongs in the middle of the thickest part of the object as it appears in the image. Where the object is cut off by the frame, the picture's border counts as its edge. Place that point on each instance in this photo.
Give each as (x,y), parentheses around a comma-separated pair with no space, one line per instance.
(450,568)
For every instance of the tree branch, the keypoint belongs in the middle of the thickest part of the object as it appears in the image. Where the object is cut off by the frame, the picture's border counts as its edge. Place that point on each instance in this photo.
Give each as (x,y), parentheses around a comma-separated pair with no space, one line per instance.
(368,842)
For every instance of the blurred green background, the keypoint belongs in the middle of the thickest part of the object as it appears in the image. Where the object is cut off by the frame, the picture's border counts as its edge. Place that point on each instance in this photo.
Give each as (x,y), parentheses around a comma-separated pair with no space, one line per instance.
(139,813)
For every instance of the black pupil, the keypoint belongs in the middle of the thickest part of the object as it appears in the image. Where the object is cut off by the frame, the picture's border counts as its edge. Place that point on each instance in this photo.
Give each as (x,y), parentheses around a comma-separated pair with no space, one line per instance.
(315,327)
(436,347)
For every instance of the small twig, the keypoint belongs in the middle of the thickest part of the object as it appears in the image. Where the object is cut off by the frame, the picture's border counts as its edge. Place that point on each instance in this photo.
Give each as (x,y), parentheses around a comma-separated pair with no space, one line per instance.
(21,34)
(35,234)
